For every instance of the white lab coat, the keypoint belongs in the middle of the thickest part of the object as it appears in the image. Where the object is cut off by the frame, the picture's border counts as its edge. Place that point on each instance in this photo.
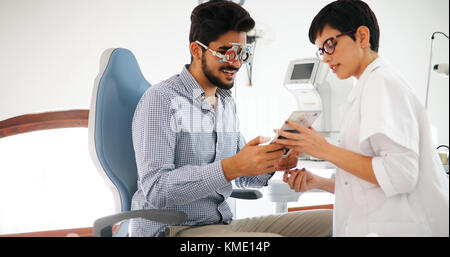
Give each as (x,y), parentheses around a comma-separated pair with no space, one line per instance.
(384,119)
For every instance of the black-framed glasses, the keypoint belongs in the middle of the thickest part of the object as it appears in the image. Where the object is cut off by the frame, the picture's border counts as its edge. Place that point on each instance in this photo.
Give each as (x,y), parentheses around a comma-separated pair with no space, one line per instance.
(330,45)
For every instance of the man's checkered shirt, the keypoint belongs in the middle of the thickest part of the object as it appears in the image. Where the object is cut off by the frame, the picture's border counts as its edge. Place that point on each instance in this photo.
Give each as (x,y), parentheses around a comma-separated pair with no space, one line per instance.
(179,142)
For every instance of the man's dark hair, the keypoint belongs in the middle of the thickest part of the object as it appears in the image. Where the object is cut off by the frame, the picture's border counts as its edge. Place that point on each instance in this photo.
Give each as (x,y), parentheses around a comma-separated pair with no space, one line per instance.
(346,16)
(214,18)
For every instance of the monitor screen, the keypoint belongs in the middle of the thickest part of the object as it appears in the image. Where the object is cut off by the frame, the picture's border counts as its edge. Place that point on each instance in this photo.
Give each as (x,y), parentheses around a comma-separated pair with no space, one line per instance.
(302,71)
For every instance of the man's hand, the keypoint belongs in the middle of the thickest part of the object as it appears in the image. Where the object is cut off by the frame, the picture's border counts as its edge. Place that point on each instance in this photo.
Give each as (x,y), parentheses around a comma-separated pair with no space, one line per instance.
(289,162)
(253,159)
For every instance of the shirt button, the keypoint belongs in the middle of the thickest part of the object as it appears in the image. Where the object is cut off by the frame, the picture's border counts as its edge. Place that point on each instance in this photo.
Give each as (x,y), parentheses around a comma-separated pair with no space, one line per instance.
(346,183)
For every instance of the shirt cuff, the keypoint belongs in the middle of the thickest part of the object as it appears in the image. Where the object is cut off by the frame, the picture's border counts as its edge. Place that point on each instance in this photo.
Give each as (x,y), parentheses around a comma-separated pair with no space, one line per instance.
(213,176)
(382,177)
(265,178)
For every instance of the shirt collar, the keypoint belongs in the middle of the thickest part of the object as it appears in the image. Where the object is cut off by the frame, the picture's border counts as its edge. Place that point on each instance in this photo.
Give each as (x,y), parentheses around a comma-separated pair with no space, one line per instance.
(194,88)
(361,81)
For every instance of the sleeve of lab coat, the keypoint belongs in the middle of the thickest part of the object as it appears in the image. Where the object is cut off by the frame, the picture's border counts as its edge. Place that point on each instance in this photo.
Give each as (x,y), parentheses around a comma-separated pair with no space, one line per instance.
(396,167)
(389,131)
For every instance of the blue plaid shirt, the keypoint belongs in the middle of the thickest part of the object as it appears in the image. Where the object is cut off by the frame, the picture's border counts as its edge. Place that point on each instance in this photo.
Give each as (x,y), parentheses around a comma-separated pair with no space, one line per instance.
(179,141)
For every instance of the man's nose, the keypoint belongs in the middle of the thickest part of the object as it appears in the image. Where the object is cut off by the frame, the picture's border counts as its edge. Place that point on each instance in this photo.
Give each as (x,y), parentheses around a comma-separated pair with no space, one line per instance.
(237,63)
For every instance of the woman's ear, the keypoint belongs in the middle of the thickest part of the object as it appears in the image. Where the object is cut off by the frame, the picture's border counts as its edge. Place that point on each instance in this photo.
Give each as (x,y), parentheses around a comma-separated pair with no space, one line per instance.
(363,36)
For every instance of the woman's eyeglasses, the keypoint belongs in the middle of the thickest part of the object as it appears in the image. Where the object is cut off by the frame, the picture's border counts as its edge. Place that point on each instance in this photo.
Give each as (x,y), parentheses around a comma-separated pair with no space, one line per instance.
(330,45)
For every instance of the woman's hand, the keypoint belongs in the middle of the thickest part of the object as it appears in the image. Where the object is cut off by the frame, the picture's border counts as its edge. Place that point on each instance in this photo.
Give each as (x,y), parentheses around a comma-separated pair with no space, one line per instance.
(314,144)
(301,180)
(308,141)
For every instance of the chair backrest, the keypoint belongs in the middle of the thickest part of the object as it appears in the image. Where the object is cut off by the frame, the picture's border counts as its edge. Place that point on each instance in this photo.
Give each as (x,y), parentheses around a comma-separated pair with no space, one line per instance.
(117,91)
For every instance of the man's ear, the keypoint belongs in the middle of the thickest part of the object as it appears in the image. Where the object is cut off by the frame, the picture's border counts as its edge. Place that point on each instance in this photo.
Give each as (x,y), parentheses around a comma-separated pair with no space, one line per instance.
(363,36)
(196,51)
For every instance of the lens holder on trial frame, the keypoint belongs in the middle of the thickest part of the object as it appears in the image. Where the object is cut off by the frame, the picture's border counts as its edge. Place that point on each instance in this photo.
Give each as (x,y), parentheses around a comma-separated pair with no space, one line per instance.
(232,54)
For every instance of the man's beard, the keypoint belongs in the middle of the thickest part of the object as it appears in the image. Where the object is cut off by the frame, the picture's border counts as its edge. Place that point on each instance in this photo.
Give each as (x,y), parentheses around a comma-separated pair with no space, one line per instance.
(213,79)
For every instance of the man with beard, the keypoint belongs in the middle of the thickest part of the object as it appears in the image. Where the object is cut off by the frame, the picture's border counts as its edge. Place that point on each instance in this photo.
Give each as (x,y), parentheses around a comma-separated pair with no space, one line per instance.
(188,145)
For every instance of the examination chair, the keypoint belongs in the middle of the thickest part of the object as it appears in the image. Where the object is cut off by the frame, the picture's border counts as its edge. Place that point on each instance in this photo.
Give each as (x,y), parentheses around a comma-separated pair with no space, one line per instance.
(116,93)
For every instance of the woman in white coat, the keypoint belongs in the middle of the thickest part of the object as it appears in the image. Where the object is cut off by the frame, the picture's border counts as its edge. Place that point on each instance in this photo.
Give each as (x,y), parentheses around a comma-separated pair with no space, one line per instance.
(389,180)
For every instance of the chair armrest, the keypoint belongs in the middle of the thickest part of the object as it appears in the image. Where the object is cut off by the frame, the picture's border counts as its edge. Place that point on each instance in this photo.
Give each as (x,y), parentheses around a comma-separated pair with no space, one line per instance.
(103,226)
(248,194)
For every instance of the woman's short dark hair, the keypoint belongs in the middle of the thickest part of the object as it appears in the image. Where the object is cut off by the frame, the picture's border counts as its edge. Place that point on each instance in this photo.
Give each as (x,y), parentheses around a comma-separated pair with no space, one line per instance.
(214,18)
(346,16)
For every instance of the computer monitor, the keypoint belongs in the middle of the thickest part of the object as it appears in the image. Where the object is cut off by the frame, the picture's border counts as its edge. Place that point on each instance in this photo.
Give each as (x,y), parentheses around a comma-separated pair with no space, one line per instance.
(312,85)
(302,73)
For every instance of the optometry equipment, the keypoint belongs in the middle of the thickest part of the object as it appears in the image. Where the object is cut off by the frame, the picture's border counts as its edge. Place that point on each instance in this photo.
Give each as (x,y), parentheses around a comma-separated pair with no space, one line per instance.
(316,89)
(441,68)
(233,54)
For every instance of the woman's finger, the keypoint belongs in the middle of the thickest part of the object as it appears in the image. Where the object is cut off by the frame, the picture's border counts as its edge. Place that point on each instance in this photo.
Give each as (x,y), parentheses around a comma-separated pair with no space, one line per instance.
(287,142)
(285,176)
(305,180)
(292,179)
(298,181)
(286,134)
(297,126)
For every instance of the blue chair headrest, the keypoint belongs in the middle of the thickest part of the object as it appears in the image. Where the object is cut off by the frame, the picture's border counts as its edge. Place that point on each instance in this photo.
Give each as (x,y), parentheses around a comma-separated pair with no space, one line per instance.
(119,90)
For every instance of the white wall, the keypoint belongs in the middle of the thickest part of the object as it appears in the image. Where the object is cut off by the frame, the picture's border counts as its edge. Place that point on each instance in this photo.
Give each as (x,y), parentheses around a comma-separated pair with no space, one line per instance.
(406,28)
(50,51)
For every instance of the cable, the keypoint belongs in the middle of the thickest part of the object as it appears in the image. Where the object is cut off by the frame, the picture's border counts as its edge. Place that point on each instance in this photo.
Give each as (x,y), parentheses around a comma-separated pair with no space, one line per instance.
(429,65)
(442,146)
(438,32)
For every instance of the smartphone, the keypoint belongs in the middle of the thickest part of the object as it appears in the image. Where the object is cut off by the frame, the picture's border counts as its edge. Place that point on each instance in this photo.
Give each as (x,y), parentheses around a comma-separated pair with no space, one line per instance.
(304,118)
